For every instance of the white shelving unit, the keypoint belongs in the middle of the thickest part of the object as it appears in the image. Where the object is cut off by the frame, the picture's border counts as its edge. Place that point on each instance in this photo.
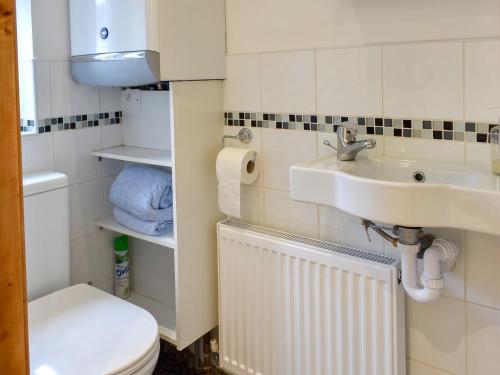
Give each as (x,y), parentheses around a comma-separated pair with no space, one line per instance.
(142,155)
(190,120)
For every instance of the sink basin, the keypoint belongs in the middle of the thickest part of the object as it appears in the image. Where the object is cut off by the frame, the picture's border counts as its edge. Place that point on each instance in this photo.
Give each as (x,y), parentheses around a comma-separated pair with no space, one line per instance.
(402,192)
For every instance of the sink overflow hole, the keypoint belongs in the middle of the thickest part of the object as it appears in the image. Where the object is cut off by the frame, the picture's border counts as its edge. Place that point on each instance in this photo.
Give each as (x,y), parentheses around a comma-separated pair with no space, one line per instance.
(419,177)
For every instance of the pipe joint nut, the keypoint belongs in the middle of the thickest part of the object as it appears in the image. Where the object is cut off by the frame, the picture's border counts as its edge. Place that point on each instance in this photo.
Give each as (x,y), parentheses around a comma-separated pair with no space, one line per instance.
(432,283)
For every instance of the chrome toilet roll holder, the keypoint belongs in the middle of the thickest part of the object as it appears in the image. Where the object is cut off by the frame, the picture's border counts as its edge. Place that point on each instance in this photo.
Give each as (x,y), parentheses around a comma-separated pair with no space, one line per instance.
(245,136)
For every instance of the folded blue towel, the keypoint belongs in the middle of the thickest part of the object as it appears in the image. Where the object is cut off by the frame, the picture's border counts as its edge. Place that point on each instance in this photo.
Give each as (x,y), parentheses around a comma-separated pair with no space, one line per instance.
(152,228)
(144,192)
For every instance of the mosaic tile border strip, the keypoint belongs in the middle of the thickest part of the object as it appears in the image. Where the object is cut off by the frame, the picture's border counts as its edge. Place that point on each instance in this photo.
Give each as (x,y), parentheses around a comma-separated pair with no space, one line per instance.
(55,124)
(446,130)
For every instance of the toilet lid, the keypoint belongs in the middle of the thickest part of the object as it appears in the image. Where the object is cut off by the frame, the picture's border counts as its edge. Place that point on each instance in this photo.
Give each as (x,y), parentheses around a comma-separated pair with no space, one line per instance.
(83,330)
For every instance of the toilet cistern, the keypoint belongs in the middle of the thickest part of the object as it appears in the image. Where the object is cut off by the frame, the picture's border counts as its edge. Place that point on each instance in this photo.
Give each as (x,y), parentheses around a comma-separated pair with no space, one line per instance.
(347,145)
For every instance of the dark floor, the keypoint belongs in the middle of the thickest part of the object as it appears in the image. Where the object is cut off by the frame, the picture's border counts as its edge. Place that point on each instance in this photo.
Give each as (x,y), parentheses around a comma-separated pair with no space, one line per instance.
(173,362)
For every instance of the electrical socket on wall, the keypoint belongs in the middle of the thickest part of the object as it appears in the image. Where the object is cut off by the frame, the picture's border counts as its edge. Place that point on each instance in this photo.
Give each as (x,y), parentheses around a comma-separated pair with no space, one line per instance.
(131,100)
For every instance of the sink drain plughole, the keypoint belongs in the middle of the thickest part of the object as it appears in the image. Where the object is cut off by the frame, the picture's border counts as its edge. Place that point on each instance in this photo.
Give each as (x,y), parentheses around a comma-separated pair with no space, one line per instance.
(419,177)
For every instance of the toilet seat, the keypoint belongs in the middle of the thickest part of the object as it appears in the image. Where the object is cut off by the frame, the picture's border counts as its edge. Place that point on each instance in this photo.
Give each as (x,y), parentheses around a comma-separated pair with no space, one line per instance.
(83,330)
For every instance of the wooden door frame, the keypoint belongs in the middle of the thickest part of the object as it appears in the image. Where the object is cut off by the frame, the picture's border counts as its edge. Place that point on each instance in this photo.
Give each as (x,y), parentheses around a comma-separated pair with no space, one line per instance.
(13,303)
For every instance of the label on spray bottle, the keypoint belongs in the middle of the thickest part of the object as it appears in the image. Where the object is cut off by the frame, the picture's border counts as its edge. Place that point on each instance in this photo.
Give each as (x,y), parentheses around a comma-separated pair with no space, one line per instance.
(122,289)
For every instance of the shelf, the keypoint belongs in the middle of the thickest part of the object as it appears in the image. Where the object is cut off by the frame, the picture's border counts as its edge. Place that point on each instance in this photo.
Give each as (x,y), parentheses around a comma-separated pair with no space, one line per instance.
(136,155)
(164,315)
(111,224)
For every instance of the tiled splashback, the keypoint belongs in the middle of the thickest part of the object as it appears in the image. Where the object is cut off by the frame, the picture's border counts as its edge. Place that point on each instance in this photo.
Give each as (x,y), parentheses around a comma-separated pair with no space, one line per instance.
(447,130)
(70,122)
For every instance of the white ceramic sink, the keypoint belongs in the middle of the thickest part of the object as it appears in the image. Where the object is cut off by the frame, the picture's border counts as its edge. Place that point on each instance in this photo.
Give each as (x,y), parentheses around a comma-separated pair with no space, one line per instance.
(384,190)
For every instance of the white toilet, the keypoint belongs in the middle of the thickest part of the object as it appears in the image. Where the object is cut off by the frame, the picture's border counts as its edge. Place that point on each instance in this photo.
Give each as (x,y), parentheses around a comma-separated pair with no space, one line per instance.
(75,329)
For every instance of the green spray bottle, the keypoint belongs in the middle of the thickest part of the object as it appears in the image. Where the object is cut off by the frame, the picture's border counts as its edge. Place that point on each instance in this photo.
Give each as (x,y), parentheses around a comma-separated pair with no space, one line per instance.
(122,288)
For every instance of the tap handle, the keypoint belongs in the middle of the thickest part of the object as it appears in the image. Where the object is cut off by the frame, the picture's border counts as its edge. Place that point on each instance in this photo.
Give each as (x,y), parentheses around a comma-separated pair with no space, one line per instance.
(347,133)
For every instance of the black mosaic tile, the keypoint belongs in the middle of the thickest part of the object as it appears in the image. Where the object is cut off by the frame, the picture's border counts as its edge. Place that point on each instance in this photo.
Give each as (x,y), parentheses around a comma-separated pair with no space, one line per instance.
(329,119)
(314,127)
(437,134)
(253,124)
(398,132)
(370,130)
(481,137)
(388,122)
(448,135)
(314,119)
(344,119)
(361,121)
(291,118)
(307,126)
(279,125)
(407,124)
(448,125)
(379,121)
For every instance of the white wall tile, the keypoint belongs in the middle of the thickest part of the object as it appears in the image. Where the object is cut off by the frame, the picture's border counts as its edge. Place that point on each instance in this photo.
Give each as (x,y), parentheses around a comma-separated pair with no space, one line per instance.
(242,83)
(108,286)
(111,168)
(73,154)
(417,368)
(482,81)
(252,204)
(436,333)
(42,89)
(110,99)
(483,340)
(86,205)
(349,81)
(91,259)
(478,154)
(107,205)
(112,136)
(424,149)
(38,153)
(69,98)
(281,212)
(423,80)
(155,112)
(51,37)
(280,151)
(288,82)
(273,25)
(339,227)
(483,276)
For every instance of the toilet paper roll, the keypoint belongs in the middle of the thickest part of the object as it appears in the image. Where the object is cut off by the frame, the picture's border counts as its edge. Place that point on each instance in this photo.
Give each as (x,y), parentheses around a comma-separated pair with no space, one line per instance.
(235,166)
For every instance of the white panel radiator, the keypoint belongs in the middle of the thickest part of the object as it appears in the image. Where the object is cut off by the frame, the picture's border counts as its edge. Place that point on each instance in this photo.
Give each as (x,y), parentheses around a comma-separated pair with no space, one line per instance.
(294,305)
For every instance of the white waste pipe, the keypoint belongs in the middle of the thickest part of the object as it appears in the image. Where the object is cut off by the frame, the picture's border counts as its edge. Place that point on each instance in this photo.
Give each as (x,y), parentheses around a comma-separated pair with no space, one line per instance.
(438,258)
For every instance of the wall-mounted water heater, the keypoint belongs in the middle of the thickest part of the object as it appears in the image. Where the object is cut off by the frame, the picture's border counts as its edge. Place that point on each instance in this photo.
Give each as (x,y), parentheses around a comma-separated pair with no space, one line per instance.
(138,42)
